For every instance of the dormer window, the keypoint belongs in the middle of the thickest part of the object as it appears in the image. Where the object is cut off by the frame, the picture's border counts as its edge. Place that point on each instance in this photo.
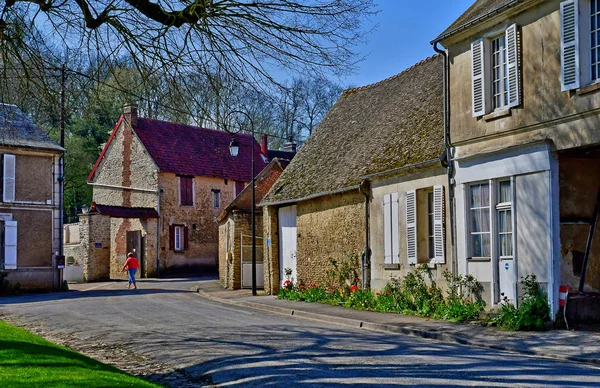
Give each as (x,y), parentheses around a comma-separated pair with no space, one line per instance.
(495,72)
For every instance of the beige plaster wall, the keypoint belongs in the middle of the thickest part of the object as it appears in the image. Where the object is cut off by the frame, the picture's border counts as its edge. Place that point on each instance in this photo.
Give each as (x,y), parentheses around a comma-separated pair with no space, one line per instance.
(568,119)
(328,227)
(420,181)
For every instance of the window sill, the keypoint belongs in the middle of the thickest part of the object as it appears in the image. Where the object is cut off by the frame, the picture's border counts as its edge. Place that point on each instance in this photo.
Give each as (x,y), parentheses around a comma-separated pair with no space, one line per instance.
(588,89)
(497,115)
(479,259)
(391,266)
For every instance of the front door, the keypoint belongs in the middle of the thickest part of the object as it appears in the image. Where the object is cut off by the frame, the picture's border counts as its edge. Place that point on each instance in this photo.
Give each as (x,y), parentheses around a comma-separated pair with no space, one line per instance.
(287,246)
(134,245)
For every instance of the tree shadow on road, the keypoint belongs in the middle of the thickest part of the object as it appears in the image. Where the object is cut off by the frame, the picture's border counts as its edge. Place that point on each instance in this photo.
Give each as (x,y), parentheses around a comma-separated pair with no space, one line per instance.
(35,298)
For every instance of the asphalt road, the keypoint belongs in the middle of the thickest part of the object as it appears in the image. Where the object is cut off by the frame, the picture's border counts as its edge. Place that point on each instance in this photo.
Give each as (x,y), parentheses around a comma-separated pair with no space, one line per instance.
(167,333)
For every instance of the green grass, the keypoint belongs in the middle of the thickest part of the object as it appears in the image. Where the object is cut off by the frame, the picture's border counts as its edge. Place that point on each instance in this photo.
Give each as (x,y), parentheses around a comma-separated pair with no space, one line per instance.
(27,360)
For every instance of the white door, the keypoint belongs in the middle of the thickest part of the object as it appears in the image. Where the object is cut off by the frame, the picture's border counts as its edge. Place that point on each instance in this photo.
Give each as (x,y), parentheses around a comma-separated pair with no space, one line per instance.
(287,245)
(508,279)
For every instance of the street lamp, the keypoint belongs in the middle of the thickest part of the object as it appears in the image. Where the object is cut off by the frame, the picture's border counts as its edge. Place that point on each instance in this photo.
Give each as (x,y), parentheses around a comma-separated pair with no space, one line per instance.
(234,148)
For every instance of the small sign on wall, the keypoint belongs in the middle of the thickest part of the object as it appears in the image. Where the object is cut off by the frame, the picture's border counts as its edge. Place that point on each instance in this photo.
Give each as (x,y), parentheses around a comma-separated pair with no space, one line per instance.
(98,245)
(60,262)
(268,242)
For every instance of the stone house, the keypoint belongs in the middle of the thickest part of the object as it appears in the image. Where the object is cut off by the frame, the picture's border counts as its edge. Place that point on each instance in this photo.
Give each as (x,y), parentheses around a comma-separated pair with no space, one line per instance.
(157,189)
(30,213)
(235,231)
(345,193)
(524,143)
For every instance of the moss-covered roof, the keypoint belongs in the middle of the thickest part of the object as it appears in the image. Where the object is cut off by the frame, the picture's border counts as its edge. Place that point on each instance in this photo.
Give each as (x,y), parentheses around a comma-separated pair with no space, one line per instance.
(390,124)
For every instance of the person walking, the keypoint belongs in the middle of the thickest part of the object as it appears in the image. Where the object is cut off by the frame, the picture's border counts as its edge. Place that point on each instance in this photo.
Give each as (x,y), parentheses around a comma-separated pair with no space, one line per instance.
(131,266)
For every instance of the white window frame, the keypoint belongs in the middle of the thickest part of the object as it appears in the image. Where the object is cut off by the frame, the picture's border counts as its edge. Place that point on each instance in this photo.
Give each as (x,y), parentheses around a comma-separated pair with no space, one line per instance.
(178,238)
(470,209)
(503,207)
(482,72)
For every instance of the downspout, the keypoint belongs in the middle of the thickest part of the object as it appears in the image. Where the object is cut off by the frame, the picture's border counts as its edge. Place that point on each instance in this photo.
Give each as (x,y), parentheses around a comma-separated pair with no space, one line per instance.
(366,254)
(446,158)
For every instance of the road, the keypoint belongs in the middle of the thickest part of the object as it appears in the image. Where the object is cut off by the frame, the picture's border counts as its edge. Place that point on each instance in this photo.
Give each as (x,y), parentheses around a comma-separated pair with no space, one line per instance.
(168,334)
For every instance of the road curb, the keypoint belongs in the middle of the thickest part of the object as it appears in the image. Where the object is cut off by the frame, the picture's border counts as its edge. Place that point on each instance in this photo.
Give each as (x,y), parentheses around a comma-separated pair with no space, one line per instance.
(396,329)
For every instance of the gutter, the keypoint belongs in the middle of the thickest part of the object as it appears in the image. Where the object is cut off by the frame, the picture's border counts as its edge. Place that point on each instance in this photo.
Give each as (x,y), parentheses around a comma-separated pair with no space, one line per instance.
(473,22)
(446,158)
(312,196)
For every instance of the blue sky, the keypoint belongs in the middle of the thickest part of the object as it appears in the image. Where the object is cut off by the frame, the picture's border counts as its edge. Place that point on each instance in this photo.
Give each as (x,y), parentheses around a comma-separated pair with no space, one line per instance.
(402,38)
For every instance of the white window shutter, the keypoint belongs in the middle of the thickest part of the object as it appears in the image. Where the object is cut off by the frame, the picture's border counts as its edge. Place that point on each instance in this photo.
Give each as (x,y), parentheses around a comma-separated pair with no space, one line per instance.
(438,224)
(395,235)
(478,78)
(9,178)
(10,244)
(569,44)
(512,48)
(387,228)
(411,226)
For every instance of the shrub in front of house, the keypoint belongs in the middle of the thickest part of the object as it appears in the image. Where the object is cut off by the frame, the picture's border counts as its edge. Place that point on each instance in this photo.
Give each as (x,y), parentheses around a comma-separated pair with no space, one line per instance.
(416,294)
(533,311)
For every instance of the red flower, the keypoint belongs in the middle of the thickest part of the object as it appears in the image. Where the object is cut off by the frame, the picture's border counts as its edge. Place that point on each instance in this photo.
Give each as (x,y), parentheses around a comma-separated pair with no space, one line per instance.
(354,288)
(468,300)
(378,293)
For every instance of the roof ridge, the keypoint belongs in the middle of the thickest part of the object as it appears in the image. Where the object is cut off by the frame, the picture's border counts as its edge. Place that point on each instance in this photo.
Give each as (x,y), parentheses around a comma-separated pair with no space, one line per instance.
(176,123)
(357,89)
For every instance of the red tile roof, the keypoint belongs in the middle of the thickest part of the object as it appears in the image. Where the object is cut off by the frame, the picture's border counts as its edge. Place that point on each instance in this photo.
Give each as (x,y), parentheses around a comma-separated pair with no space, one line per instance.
(188,150)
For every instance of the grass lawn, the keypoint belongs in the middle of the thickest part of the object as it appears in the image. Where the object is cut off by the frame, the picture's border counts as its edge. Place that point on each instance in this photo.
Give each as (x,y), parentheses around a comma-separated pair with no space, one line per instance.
(27,360)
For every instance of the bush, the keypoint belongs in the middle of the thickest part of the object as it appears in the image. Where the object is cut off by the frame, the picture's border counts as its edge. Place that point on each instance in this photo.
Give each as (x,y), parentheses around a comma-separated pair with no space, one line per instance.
(533,311)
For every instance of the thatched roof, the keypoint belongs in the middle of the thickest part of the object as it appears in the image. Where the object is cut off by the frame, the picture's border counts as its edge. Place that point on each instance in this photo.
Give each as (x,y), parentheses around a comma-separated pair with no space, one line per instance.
(390,124)
(478,11)
(16,130)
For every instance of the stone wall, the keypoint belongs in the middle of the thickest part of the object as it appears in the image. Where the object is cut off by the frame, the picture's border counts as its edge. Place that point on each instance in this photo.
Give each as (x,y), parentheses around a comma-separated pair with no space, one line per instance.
(94,234)
(271,250)
(203,230)
(118,251)
(328,227)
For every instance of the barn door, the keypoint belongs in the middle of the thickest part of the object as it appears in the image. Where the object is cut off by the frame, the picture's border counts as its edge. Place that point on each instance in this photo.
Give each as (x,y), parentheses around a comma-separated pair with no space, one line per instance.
(287,246)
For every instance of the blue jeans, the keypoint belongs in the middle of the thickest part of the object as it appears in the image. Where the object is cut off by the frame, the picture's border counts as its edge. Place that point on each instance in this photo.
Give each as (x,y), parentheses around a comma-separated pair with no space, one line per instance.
(132,272)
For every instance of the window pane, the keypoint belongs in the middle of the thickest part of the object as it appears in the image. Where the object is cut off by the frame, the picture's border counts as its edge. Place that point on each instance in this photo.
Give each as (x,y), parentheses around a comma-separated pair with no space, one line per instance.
(504,192)
(431,248)
(430,226)
(593,2)
(476,245)
(485,195)
(475,196)
(475,221)
(505,244)
(485,245)
(501,221)
(485,220)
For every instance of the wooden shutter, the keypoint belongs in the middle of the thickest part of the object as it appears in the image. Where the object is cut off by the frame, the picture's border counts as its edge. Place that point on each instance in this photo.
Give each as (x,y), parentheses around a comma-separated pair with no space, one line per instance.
(478,78)
(185,238)
(411,226)
(172,237)
(395,235)
(190,191)
(438,224)
(10,244)
(569,44)
(512,53)
(387,228)
(9,178)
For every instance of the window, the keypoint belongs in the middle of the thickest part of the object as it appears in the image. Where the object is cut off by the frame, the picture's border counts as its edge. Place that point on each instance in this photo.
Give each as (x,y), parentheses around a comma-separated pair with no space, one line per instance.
(8,178)
(479,214)
(504,216)
(495,72)
(186,191)
(425,212)
(178,238)
(390,228)
(580,43)
(430,228)
(216,197)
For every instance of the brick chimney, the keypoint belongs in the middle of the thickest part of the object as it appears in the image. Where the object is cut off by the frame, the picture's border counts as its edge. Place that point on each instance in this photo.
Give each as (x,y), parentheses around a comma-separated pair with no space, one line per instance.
(130,112)
(264,145)
(290,147)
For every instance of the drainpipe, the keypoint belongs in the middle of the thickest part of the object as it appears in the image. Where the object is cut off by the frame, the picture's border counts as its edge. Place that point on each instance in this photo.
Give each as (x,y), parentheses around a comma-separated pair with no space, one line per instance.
(446,158)
(158,226)
(366,254)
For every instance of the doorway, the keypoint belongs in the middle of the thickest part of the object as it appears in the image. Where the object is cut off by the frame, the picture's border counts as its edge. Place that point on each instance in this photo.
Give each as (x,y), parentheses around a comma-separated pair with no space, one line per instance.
(136,244)
(287,247)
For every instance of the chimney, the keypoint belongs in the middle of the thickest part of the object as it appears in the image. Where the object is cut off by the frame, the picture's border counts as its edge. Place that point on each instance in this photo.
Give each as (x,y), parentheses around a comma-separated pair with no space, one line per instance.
(264,145)
(290,147)
(130,112)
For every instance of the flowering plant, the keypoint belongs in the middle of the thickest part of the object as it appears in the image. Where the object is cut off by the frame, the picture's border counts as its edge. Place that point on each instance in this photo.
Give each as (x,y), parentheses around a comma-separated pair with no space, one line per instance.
(354,288)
